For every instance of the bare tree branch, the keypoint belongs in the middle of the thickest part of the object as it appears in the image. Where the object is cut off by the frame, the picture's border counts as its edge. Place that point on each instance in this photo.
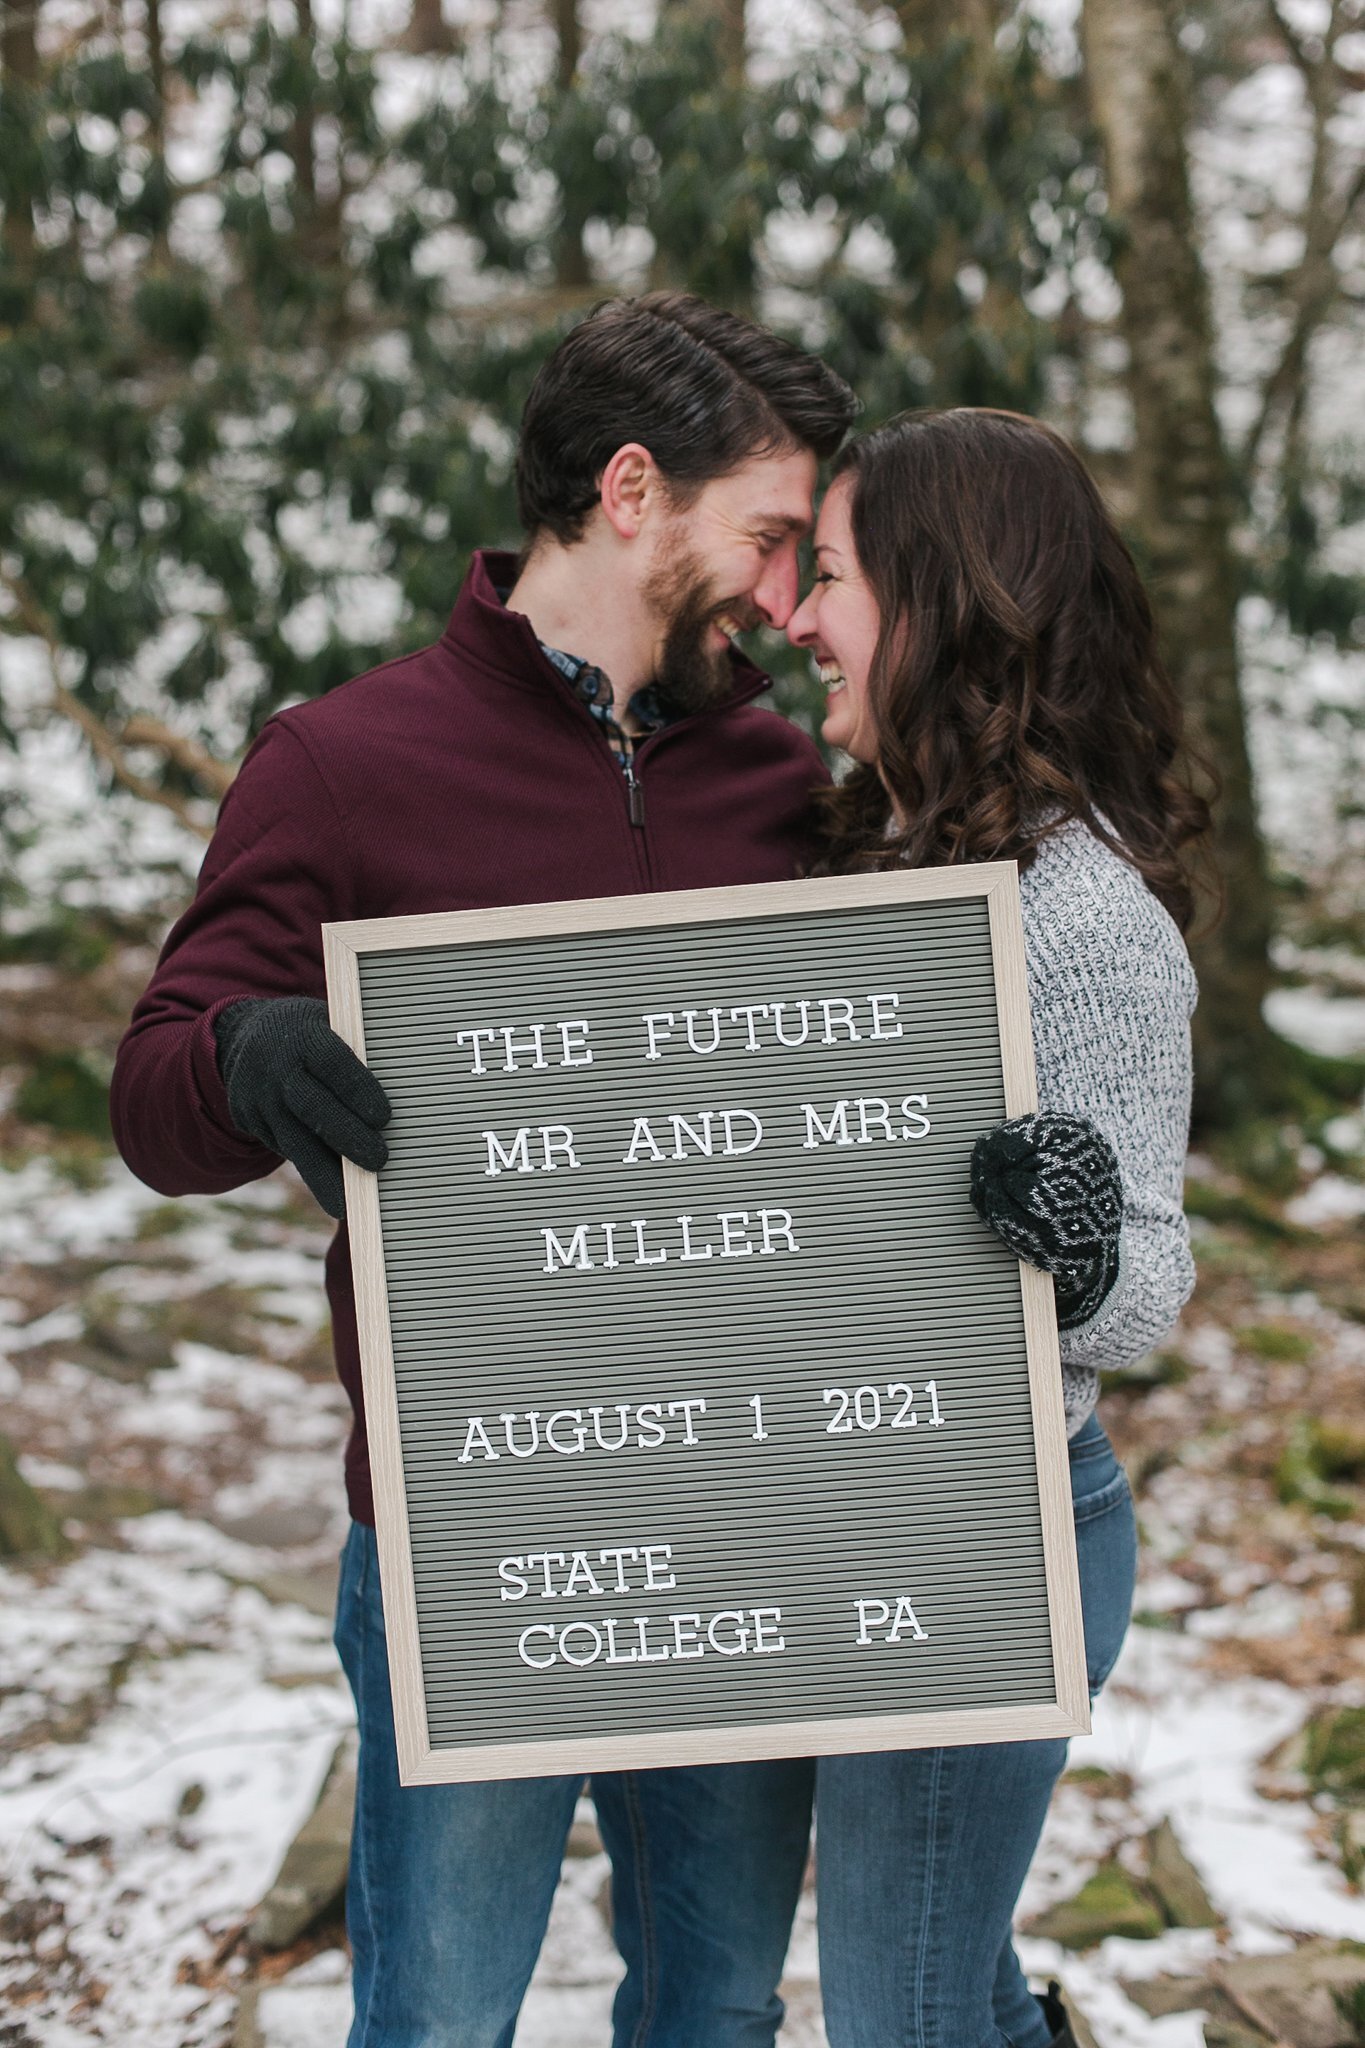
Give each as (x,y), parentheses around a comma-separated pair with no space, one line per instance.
(144,731)
(1295,43)
(1313,285)
(103,743)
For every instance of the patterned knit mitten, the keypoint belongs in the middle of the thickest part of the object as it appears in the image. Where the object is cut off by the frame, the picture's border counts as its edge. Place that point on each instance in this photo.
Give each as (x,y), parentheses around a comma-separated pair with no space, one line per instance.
(1049,1187)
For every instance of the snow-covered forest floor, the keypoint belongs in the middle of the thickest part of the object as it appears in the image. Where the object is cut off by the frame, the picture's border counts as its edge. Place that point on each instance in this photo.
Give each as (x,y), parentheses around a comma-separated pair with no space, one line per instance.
(170,1705)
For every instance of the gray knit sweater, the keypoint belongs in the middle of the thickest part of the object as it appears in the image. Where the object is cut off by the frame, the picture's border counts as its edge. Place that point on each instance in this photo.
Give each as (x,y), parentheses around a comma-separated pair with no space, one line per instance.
(1112,992)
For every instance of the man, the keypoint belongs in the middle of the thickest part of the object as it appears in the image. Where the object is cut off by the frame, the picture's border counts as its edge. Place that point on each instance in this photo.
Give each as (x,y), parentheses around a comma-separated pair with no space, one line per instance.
(584,727)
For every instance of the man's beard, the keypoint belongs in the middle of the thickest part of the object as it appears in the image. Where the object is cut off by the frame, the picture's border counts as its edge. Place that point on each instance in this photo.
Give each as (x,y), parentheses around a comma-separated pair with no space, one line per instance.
(692,675)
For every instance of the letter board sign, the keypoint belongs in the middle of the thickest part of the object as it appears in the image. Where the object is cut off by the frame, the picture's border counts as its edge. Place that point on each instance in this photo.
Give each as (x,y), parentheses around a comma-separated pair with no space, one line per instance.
(707,1421)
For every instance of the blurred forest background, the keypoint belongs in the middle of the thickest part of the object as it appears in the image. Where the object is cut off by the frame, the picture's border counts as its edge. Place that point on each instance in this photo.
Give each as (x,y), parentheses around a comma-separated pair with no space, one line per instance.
(273,282)
(274,279)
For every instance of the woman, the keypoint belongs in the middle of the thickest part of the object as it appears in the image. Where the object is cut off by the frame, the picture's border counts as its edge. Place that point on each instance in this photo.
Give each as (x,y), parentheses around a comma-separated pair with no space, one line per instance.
(991,669)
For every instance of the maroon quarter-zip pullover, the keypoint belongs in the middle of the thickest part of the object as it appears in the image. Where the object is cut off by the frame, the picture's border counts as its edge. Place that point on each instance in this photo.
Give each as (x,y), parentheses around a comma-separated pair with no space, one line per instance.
(463,776)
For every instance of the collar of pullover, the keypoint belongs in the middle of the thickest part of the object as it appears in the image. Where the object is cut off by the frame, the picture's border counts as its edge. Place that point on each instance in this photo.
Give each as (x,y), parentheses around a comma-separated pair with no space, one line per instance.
(504,643)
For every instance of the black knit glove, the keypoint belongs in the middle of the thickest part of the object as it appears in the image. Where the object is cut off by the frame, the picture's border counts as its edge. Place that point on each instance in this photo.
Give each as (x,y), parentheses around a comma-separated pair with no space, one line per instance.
(1049,1187)
(298,1088)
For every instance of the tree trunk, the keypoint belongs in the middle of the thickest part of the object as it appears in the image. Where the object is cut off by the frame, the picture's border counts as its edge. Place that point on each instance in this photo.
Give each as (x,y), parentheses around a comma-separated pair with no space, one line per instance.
(19,75)
(429,33)
(570,39)
(1139,95)
(156,62)
(733,42)
(156,65)
(301,138)
(571,258)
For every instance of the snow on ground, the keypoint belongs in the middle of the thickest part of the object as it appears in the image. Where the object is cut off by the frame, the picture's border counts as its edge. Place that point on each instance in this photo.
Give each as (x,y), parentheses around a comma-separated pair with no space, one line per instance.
(170,1701)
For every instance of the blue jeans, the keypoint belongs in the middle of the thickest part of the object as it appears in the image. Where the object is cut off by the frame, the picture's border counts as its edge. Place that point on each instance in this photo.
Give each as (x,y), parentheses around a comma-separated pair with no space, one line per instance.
(450,1885)
(922,1853)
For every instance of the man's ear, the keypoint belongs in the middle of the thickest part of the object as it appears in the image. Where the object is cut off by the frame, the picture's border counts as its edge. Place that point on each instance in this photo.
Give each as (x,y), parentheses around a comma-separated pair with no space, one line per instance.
(630,486)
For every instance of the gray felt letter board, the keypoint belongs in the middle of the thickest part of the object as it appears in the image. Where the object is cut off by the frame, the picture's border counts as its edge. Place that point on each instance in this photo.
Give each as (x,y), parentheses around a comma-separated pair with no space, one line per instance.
(707,1421)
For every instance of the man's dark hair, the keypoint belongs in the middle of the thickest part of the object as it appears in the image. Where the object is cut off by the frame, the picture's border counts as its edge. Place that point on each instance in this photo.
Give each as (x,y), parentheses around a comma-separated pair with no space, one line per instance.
(702,389)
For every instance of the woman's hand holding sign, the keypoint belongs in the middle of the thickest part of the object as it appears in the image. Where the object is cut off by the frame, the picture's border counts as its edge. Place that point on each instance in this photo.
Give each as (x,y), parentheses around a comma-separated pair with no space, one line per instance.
(1049,1187)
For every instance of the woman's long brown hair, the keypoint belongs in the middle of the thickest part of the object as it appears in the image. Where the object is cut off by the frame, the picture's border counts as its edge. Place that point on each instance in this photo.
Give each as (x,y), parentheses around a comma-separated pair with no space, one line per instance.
(1016,682)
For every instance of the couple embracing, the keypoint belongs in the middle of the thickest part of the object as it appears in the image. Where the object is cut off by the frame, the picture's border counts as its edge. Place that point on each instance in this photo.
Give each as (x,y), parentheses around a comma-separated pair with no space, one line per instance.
(587,726)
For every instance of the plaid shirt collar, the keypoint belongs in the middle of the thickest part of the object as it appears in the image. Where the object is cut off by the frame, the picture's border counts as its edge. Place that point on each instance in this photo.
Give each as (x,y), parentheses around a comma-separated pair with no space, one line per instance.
(594,689)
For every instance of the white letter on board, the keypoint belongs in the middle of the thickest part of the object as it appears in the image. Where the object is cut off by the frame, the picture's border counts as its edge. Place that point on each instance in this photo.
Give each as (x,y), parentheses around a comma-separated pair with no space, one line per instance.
(659,1025)
(916,1116)
(741,1642)
(693,1625)
(879,1027)
(533,1417)
(537,1628)
(546,1558)
(775,1229)
(593,1654)
(642,1135)
(642,1258)
(576,1253)
(557,1138)
(689,1016)
(687,1407)
(871,1614)
(473,1038)
(685,1226)
(903,1618)
(514,1581)
(733,1243)
(620,1556)
(700,1138)
(579,1568)
(653,1410)
(751,1011)
(577,1434)
(596,1413)
(833,1133)
(874,1109)
(579,1055)
(613,1654)
(649,1551)
(761,1646)
(845,1009)
(659,1656)
(518,1160)
(732,1149)
(476,1438)
(782,1037)
(536,1045)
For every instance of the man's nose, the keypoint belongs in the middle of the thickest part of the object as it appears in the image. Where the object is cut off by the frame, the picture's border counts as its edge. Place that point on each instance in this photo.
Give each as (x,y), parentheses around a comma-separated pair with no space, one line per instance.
(777,589)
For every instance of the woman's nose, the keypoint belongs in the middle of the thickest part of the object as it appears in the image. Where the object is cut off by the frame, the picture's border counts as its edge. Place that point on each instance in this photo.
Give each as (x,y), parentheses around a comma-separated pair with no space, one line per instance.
(777,589)
(801,624)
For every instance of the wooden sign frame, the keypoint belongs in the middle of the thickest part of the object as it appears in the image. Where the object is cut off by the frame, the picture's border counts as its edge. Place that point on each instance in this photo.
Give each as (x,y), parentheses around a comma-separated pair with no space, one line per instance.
(1067,1713)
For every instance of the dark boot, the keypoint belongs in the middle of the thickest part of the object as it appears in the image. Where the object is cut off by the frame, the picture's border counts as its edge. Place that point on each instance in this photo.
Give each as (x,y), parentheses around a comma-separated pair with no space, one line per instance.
(1054,2012)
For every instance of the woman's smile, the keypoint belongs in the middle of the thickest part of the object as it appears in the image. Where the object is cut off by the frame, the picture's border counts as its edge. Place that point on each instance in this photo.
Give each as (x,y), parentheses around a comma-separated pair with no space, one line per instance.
(838,623)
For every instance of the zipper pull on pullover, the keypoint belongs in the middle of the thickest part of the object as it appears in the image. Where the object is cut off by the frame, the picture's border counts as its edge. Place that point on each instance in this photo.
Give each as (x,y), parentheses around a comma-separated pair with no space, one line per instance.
(637,795)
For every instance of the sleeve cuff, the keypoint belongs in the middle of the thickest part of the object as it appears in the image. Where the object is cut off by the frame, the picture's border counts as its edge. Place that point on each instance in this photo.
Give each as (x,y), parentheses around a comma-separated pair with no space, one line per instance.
(210,1094)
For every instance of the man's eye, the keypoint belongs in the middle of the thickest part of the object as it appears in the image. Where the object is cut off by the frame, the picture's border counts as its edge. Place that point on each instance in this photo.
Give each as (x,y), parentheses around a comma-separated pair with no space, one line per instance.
(769,541)
(823,576)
